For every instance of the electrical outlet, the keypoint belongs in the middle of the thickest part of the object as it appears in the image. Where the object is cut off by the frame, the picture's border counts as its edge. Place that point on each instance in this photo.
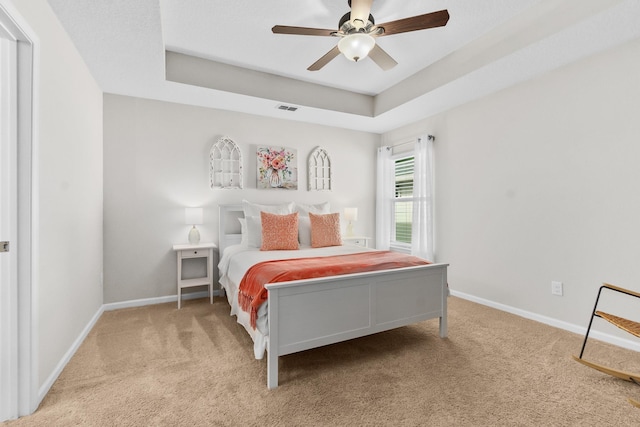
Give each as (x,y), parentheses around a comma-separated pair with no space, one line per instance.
(556,288)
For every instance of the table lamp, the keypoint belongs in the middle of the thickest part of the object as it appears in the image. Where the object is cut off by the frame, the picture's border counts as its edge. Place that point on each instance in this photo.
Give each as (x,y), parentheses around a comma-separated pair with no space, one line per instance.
(350,214)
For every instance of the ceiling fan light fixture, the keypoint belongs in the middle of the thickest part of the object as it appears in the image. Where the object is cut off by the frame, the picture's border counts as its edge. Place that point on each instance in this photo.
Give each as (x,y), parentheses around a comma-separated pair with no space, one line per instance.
(356,46)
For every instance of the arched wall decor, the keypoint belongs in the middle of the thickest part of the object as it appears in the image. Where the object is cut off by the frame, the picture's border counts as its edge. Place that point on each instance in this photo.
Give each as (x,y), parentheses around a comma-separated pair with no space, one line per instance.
(319,169)
(225,164)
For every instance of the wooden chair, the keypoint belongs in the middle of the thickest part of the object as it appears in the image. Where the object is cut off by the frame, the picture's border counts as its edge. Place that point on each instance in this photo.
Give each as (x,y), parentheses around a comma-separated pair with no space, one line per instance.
(625,324)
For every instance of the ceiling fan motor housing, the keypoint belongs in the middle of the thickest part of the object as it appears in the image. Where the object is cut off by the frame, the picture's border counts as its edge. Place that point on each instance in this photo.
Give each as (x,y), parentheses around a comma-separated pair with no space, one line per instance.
(346,26)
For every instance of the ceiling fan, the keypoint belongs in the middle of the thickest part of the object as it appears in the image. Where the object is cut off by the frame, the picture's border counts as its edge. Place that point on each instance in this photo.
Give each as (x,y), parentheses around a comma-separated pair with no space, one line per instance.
(357,31)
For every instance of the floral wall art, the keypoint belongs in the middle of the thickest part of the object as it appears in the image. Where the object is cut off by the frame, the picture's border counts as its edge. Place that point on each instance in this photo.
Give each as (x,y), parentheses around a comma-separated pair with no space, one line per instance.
(277,168)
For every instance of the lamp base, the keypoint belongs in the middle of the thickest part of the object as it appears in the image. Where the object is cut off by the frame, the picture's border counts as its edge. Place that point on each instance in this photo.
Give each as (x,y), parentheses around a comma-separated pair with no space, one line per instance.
(194,236)
(349,229)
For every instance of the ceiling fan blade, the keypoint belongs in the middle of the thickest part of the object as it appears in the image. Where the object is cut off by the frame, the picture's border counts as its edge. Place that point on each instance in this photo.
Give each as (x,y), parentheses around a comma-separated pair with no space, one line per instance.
(302,31)
(420,22)
(360,10)
(326,58)
(382,58)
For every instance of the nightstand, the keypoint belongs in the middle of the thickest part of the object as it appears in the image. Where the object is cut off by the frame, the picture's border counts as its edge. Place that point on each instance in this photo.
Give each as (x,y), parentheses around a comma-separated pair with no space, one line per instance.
(188,251)
(357,240)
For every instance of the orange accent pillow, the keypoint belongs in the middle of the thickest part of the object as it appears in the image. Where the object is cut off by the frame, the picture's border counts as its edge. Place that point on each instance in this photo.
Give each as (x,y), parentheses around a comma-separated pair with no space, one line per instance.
(279,232)
(325,230)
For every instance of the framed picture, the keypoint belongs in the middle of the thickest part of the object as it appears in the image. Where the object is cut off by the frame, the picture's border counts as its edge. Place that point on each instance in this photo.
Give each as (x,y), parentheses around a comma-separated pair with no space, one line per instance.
(277,168)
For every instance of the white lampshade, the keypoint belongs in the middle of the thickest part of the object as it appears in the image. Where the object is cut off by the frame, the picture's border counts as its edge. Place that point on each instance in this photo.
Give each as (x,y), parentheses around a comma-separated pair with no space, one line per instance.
(356,46)
(193,216)
(351,214)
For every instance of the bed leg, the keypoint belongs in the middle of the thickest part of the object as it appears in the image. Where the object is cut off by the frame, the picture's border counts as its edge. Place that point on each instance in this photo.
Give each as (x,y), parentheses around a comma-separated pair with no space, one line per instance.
(273,340)
(443,327)
(444,314)
(272,370)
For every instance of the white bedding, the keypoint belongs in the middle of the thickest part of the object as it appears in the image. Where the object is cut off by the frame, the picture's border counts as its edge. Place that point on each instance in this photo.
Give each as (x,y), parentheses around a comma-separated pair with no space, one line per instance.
(237,259)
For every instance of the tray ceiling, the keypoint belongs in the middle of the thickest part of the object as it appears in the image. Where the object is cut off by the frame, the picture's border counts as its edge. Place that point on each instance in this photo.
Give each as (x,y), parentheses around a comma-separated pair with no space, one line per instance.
(222,54)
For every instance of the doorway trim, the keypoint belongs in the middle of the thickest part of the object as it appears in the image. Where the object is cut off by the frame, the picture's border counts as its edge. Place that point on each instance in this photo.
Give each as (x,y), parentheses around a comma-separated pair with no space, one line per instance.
(24,303)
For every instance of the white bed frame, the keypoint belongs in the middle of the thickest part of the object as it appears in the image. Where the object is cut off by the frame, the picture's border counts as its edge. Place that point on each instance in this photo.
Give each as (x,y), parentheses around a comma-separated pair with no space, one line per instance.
(359,304)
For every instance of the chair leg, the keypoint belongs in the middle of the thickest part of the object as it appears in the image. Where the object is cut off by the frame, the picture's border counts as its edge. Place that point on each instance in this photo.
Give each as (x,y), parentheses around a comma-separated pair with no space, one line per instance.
(593,314)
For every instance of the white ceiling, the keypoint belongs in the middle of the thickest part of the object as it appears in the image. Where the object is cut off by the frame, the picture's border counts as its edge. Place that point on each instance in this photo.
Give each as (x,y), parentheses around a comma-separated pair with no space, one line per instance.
(486,46)
(239,32)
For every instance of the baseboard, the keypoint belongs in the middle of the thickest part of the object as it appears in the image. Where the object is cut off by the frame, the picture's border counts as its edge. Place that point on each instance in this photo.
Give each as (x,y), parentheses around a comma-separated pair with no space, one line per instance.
(157,300)
(580,330)
(46,386)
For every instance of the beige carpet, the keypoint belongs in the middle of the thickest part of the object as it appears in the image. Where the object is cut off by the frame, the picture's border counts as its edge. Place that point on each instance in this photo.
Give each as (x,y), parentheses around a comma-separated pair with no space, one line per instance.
(156,365)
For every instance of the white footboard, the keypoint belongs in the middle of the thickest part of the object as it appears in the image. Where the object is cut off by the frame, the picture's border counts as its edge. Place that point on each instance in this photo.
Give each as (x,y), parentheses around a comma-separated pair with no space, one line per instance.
(311,313)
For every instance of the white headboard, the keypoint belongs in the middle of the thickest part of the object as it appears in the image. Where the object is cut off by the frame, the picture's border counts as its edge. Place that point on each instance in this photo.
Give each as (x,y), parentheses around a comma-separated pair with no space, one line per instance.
(229,227)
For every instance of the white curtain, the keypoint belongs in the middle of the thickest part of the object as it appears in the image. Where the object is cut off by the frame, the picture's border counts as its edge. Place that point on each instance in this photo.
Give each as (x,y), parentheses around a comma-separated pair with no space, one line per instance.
(384,193)
(422,224)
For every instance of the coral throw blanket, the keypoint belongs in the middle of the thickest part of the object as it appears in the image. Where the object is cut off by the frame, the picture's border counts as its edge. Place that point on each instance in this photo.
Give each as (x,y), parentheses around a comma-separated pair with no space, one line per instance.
(252,293)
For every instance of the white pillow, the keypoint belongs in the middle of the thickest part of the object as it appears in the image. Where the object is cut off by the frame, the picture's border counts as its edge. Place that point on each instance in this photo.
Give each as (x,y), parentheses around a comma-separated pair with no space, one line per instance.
(318,209)
(254,209)
(254,231)
(243,230)
(304,226)
(304,230)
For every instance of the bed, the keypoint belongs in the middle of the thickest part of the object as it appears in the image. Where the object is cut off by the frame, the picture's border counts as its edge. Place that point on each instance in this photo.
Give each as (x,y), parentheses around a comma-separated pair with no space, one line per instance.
(295,316)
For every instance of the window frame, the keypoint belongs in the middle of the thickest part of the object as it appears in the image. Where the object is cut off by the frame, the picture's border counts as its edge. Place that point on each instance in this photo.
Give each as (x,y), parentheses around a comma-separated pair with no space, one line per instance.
(394,244)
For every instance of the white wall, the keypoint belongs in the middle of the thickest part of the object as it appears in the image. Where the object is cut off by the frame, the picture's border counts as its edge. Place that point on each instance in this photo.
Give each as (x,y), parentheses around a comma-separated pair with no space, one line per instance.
(156,163)
(540,182)
(69,138)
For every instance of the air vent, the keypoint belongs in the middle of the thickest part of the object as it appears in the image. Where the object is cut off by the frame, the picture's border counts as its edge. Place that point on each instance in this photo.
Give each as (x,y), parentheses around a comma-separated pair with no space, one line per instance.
(286,107)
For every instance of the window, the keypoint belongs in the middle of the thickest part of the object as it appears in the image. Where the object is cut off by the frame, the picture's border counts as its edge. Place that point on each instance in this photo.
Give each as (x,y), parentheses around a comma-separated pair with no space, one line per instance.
(402,201)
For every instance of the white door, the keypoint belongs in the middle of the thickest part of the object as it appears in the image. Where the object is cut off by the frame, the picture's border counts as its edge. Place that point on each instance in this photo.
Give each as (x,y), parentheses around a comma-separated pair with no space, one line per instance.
(8,228)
